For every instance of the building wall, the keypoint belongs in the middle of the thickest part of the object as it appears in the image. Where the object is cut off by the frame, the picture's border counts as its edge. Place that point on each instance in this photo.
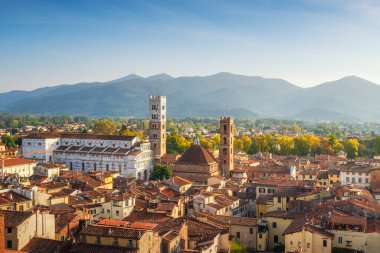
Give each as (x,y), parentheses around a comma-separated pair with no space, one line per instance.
(262,241)
(333,179)
(126,164)
(2,233)
(247,239)
(358,240)
(354,178)
(157,125)
(42,225)
(147,243)
(67,231)
(23,170)
(39,149)
(282,224)
(306,241)
(226,150)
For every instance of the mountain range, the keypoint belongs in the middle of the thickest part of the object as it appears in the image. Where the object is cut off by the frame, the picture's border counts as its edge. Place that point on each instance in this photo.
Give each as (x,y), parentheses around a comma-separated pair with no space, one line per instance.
(348,99)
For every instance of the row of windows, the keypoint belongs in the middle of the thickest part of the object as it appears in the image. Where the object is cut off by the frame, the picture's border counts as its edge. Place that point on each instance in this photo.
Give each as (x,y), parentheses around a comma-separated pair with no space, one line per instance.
(250,232)
(359,180)
(324,242)
(115,242)
(156,107)
(156,116)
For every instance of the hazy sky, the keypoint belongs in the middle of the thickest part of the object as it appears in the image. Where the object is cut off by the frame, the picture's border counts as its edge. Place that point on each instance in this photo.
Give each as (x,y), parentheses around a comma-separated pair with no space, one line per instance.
(305,42)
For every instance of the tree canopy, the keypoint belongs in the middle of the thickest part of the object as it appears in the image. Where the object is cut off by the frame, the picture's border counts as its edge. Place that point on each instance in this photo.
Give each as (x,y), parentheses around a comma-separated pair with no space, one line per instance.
(161,172)
(105,126)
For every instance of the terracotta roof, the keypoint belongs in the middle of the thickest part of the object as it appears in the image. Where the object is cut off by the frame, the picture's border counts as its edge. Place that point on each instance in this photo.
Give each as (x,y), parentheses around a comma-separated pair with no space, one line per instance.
(116,223)
(62,220)
(196,154)
(299,224)
(92,248)
(289,191)
(263,199)
(79,136)
(230,220)
(17,161)
(283,214)
(120,232)
(348,219)
(162,206)
(44,245)
(180,181)
(15,218)
(201,232)
(143,225)
(147,217)
(14,197)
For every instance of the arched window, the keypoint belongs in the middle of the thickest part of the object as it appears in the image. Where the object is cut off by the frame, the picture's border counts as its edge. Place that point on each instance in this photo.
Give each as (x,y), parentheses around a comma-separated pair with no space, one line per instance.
(225,128)
(224,151)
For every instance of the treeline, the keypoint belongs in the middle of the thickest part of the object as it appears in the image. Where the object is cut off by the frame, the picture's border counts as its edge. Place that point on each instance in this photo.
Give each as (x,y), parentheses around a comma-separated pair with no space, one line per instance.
(21,120)
(308,145)
(305,145)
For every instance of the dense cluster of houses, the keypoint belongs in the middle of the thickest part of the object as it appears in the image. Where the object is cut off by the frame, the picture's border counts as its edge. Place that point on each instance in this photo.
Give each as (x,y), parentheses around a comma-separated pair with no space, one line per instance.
(328,204)
(92,193)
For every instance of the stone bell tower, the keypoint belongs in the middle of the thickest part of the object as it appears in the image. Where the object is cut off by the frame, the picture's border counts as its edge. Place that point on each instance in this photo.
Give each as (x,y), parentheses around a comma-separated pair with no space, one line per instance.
(226,152)
(157,125)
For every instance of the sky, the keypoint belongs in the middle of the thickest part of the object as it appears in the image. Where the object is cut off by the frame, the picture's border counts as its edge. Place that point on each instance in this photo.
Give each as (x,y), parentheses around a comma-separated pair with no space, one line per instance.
(306,42)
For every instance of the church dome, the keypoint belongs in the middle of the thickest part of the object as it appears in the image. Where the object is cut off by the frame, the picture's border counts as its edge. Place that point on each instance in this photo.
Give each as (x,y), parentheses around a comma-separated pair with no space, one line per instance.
(196,154)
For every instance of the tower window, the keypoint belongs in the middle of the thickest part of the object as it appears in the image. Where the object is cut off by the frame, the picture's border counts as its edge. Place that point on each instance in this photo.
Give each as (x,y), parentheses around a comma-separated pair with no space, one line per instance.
(225,128)
(225,141)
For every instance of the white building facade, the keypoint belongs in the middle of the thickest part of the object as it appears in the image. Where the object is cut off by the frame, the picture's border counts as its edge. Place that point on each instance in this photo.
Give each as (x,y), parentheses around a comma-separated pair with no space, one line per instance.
(356,177)
(89,152)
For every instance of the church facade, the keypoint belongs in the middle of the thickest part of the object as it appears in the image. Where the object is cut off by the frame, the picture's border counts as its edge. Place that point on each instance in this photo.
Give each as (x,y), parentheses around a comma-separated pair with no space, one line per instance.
(90,152)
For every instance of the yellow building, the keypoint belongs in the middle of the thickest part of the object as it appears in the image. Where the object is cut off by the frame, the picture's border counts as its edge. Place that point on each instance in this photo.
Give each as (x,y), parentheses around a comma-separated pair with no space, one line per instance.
(281,198)
(144,240)
(278,221)
(10,200)
(334,176)
(355,233)
(263,204)
(20,227)
(303,237)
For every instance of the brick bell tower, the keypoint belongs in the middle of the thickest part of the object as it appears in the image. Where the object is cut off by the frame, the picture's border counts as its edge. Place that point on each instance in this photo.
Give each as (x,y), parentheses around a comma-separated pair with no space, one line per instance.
(226,151)
(157,125)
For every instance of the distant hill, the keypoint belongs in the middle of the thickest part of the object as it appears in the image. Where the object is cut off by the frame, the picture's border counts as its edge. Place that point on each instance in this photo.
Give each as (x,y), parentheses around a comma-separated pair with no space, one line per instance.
(350,98)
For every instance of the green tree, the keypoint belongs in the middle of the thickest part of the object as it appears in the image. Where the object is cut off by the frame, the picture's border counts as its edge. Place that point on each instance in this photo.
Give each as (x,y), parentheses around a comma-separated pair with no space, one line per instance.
(9,141)
(262,143)
(247,142)
(332,145)
(351,147)
(306,144)
(286,144)
(105,126)
(376,145)
(176,143)
(237,247)
(160,172)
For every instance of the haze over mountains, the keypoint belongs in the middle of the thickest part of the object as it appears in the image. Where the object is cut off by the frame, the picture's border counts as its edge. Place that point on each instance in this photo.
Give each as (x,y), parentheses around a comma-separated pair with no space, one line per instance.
(350,98)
